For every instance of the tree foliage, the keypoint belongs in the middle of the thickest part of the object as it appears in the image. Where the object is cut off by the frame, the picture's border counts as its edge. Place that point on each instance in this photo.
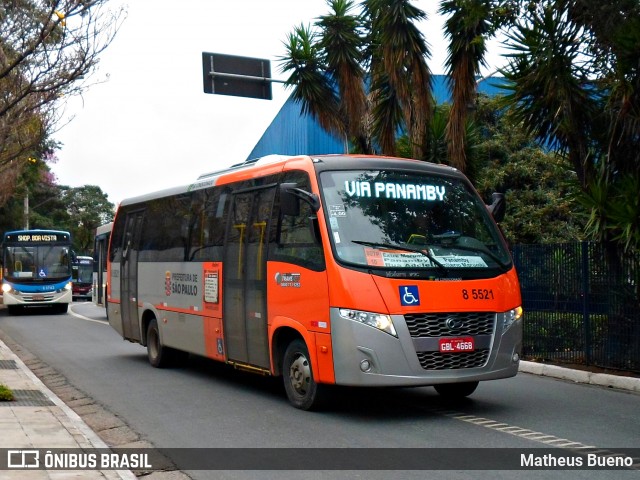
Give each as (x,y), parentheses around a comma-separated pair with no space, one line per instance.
(88,207)
(539,187)
(48,51)
(574,79)
(78,210)
(575,83)
(469,25)
(541,192)
(364,76)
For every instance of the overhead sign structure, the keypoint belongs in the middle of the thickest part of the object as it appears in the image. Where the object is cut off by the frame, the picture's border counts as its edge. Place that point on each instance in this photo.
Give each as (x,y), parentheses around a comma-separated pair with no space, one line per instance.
(237,76)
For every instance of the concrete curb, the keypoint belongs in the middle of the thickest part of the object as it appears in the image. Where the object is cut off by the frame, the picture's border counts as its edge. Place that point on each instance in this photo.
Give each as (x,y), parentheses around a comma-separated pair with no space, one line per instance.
(72,417)
(580,376)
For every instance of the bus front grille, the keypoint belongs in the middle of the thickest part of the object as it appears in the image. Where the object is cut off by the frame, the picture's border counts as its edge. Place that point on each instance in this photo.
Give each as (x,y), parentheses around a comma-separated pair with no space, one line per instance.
(38,297)
(424,325)
(450,361)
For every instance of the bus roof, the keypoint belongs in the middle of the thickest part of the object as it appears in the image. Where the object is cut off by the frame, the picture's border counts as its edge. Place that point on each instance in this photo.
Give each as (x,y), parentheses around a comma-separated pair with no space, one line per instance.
(335,161)
(102,229)
(35,230)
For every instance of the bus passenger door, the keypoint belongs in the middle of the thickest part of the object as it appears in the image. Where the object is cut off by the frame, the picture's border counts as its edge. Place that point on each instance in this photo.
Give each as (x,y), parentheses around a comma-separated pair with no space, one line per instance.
(245,286)
(129,276)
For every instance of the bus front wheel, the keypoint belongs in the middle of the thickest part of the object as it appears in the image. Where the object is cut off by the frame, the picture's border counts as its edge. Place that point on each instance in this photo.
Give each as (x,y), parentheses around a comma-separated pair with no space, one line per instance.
(302,390)
(456,390)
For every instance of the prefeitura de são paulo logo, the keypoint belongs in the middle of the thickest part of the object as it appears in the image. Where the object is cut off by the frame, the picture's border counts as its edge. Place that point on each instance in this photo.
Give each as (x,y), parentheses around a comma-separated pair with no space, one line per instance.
(167,283)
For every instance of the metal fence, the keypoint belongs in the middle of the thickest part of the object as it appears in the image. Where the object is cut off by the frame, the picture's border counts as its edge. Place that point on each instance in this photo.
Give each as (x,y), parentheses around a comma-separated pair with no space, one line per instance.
(581,303)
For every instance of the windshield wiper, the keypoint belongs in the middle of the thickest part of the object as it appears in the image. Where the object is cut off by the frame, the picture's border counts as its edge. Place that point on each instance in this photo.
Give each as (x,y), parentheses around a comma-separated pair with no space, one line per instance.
(424,252)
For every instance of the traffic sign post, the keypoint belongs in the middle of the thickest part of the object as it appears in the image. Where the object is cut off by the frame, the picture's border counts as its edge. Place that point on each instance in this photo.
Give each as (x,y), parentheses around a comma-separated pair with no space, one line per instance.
(237,76)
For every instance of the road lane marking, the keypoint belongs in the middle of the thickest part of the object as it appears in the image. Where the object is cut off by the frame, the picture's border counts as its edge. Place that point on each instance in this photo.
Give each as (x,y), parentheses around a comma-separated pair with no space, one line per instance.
(102,322)
(527,434)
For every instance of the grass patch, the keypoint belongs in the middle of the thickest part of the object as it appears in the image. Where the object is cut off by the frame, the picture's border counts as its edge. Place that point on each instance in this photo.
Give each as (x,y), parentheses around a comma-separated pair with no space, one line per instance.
(6,395)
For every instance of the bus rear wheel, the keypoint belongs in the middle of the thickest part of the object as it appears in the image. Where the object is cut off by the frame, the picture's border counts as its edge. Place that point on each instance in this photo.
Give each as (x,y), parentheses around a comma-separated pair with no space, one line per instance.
(302,390)
(159,355)
(456,390)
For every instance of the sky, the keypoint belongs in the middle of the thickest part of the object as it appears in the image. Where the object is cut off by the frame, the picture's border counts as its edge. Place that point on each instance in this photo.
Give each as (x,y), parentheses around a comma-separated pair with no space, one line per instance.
(150,126)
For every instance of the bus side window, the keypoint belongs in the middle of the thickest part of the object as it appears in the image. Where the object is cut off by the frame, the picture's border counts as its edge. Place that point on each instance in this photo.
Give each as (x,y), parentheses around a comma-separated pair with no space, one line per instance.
(164,235)
(297,242)
(208,236)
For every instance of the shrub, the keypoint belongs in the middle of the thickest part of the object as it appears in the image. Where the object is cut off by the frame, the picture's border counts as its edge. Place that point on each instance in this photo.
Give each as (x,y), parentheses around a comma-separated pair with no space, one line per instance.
(6,395)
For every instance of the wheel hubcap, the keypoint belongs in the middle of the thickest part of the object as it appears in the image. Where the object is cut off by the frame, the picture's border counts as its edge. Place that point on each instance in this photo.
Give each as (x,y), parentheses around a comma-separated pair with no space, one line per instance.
(300,374)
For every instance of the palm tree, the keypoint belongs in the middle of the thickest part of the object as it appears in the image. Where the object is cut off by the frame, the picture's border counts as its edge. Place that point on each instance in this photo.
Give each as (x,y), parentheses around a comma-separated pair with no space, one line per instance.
(401,79)
(327,75)
(575,84)
(470,24)
(313,88)
(365,76)
(548,86)
(342,45)
(467,27)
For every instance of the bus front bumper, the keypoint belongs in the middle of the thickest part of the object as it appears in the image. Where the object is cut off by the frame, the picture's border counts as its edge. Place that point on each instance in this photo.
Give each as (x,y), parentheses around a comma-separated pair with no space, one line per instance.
(366,356)
(37,299)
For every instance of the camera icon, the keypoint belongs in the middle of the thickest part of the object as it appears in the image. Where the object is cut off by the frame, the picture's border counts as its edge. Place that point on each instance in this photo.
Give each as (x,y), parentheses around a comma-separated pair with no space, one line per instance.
(23,459)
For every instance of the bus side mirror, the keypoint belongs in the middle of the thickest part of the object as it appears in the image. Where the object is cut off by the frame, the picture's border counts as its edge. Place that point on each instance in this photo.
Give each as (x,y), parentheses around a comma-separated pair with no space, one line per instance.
(498,206)
(290,197)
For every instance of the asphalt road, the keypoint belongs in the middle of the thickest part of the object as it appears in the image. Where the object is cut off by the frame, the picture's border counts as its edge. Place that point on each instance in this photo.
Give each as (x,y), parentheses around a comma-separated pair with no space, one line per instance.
(204,404)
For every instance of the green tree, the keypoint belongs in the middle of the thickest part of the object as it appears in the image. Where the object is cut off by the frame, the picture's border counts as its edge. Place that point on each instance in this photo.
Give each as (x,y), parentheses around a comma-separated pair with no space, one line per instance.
(48,51)
(539,186)
(34,188)
(401,84)
(466,28)
(364,77)
(575,84)
(88,207)
(79,210)
(503,157)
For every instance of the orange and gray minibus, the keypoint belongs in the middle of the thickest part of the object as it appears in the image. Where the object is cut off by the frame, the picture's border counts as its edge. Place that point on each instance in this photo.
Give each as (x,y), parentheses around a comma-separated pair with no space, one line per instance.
(326,269)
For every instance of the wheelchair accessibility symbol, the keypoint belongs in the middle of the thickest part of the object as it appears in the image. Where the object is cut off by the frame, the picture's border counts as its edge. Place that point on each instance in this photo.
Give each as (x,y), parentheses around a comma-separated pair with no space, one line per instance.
(409,295)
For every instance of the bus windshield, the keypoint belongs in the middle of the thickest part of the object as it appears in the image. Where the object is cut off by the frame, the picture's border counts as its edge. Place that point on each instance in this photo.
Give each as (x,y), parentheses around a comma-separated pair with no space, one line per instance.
(411,220)
(36,262)
(83,270)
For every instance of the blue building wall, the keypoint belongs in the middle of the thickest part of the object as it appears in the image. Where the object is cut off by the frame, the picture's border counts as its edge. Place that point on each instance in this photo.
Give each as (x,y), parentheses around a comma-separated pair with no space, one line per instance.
(293,133)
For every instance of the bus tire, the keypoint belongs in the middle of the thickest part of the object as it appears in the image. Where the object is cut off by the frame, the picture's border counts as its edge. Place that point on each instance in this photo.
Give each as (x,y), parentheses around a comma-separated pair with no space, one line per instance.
(302,390)
(456,390)
(158,355)
(61,308)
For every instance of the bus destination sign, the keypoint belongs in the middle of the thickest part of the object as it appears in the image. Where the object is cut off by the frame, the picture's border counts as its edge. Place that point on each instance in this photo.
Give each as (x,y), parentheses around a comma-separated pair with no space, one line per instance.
(36,237)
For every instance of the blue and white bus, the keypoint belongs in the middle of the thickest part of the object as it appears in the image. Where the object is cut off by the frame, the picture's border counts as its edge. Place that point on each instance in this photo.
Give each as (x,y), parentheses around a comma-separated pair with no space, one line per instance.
(36,268)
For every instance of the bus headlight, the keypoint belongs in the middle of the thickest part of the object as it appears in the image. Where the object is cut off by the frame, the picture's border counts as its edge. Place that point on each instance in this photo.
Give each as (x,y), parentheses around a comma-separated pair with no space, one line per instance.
(376,320)
(512,316)
(6,288)
(68,286)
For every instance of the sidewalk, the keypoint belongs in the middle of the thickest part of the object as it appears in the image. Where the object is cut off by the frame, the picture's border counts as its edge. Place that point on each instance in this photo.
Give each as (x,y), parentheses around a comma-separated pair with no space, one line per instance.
(40,419)
(37,418)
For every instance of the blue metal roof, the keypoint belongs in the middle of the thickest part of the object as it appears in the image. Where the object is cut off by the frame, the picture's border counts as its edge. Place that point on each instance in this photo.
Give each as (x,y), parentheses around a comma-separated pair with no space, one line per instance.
(294,133)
